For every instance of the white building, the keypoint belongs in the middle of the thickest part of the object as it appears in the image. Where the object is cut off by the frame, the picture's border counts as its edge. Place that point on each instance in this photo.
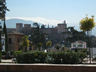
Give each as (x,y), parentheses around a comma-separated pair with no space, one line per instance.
(78,44)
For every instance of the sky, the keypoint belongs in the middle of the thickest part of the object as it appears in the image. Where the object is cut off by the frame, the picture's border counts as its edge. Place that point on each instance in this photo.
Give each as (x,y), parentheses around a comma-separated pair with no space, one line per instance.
(51,11)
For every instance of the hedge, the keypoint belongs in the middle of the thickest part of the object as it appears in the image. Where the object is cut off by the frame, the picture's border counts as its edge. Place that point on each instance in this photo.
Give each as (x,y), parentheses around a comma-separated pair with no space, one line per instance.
(53,57)
(0,56)
(31,57)
(66,57)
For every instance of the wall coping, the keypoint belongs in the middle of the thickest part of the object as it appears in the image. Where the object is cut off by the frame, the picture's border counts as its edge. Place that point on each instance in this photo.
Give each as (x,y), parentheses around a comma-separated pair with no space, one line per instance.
(81,65)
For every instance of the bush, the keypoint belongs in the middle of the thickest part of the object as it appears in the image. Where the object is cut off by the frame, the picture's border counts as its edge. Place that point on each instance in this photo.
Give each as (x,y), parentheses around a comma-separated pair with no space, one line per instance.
(31,57)
(65,57)
(70,57)
(0,56)
(3,53)
(17,53)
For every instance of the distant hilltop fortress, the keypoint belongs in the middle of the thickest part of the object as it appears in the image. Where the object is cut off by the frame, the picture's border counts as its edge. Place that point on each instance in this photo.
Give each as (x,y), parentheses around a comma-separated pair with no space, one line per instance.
(20,27)
(56,34)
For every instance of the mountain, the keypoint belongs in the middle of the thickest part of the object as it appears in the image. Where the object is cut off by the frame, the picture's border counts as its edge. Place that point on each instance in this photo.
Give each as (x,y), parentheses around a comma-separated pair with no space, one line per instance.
(11,23)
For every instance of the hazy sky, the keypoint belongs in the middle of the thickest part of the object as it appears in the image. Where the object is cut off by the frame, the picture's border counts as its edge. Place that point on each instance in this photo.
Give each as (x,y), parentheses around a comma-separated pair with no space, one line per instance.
(59,10)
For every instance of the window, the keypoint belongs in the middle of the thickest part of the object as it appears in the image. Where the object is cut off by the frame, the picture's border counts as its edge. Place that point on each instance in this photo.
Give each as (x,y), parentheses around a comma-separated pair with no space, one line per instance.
(80,45)
(74,45)
(18,40)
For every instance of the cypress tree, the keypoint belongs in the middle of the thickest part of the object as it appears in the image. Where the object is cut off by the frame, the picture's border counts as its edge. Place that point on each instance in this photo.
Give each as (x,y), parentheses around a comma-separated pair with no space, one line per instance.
(3,9)
(6,38)
(0,43)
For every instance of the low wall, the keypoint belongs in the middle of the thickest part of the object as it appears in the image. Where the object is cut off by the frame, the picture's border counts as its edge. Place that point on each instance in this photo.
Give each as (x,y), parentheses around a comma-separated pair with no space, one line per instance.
(46,68)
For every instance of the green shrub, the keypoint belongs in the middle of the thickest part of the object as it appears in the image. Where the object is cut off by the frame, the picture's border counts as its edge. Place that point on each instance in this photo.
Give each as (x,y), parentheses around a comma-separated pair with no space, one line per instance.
(3,53)
(31,57)
(94,59)
(17,53)
(70,57)
(65,57)
(0,56)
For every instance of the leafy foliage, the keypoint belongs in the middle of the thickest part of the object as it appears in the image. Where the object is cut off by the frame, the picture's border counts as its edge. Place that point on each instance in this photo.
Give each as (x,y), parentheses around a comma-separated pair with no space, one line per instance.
(43,26)
(31,57)
(25,43)
(17,53)
(6,38)
(0,56)
(3,9)
(57,46)
(48,43)
(37,37)
(69,57)
(87,24)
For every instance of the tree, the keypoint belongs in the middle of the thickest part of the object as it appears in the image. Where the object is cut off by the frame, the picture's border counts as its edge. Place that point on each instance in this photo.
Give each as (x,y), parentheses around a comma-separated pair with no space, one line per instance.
(87,24)
(39,46)
(48,44)
(43,26)
(57,46)
(6,38)
(0,37)
(25,43)
(64,48)
(3,9)
(75,36)
(37,36)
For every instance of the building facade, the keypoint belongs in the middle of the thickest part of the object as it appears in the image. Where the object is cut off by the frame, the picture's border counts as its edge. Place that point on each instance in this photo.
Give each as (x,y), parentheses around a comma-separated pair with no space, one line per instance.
(78,44)
(14,40)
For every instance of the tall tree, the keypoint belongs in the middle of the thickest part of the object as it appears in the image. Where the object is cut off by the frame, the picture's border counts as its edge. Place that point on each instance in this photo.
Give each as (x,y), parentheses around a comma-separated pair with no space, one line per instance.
(37,36)
(43,26)
(75,36)
(87,24)
(25,43)
(6,38)
(0,37)
(3,9)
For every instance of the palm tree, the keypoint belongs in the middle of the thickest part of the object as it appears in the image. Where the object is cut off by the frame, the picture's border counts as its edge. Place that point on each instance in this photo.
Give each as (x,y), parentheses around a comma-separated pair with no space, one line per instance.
(87,24)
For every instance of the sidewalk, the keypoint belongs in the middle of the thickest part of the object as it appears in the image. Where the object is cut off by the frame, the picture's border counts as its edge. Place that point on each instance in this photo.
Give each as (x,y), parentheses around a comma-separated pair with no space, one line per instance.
(6,61)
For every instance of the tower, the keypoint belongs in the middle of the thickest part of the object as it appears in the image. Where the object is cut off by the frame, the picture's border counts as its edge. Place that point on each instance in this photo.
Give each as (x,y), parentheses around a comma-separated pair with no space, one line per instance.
(19,27)
(62,27)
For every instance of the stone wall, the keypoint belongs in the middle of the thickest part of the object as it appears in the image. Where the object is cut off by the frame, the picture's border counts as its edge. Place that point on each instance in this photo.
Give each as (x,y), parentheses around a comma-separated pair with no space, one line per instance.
(47,68)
